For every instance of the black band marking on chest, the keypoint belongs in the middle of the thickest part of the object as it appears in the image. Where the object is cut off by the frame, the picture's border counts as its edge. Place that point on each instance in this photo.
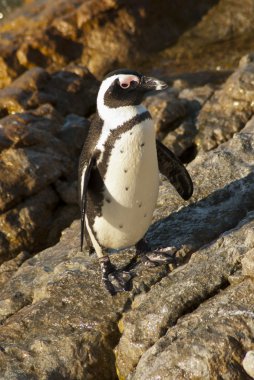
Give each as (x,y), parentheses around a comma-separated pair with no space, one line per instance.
(116,134)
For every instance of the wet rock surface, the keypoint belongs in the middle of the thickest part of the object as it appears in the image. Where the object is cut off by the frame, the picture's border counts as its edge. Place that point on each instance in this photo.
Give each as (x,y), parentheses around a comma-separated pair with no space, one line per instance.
(193,319)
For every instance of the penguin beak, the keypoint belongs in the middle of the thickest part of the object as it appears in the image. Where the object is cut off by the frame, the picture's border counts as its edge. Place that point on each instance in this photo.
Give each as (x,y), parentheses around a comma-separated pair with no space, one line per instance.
(151,84)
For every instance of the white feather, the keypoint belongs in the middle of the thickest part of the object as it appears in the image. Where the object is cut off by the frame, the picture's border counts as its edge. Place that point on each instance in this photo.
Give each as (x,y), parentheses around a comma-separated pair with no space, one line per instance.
(132,182)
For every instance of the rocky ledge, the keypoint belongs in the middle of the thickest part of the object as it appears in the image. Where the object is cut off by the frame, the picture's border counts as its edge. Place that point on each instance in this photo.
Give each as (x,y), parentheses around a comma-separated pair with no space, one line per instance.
(190,320)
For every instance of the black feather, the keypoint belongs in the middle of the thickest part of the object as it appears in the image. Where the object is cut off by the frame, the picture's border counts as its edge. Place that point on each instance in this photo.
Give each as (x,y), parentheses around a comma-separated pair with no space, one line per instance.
(171,167)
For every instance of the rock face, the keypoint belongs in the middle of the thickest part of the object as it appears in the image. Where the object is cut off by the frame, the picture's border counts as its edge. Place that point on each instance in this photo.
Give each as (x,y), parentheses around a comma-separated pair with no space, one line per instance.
(217,41)
(104,34)
(190,320)
(229,109)
(59,322)
(40,141)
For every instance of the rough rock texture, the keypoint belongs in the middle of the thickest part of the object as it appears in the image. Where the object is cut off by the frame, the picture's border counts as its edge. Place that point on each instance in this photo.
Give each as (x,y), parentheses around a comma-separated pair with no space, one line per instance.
(59,322)
(72,90)
(208,344)
(40,141)
(223,181)
(228,110)
(190,320)
(217,41)
(101,34)
(72,321)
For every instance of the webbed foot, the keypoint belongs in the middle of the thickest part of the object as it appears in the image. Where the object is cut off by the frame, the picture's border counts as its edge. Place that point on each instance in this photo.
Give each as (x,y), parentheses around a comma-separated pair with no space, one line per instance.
(154,257)
(114,280)
(161,256)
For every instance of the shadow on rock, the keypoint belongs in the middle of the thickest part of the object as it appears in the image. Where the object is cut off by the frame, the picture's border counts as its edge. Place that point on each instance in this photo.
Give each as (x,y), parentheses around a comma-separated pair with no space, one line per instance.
(200,223)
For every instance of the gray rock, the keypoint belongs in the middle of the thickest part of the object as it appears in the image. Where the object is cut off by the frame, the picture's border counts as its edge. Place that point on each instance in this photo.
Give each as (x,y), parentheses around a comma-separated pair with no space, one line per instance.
(59,321)
(223,181)
(174,113)
(167,111)
(210,343)
(181,141)
(216,42)
(248,264)
(67,320)
(229,109)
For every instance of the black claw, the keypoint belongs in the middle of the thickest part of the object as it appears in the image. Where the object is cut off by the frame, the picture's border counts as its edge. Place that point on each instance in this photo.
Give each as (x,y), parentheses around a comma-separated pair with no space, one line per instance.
(114,280)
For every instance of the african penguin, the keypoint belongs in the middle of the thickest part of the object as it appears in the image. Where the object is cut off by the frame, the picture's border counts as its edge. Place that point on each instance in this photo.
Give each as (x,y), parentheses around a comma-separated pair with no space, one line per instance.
(119,171)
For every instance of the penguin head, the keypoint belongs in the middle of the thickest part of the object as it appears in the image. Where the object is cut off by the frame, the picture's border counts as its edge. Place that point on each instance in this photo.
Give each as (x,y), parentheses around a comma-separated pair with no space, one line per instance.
(125,87)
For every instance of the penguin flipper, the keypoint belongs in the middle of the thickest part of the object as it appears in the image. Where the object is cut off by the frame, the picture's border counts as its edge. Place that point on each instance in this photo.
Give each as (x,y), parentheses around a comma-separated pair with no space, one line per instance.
(171,167)
(86,174)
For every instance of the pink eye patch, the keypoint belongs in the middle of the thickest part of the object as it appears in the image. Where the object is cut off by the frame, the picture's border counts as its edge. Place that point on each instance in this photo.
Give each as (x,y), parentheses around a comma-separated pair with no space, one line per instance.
(126,80)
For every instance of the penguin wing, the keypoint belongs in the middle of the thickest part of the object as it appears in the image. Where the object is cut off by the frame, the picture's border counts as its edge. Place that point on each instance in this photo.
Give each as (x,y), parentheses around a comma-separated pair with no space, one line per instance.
(171,167)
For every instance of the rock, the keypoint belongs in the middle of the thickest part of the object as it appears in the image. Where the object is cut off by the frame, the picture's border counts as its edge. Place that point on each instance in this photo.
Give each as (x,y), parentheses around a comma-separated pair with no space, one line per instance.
(8,268)
(222,186)
(226,27)
(100,34)
(39,154)
(72,90)
(182,140)
(31,152)
(146,35)
(248,363)
(26,226)
(174,113)
(57,315)
(167,111)
(222,178)
(73,133)
(229,109)
(67,320)
(68,191)
(248,264)
(208,343)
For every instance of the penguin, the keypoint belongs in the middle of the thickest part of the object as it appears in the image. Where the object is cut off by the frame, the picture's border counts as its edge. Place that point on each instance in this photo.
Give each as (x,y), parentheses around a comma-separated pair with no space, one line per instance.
(119,172)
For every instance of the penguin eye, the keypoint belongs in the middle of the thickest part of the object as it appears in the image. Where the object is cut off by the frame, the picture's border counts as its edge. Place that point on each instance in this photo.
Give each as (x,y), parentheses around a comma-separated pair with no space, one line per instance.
(134,83)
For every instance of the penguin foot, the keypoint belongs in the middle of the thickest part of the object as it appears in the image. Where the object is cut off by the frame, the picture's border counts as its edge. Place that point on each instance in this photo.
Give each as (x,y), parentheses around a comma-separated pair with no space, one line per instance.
(155,257)
(114,280)
(161,256)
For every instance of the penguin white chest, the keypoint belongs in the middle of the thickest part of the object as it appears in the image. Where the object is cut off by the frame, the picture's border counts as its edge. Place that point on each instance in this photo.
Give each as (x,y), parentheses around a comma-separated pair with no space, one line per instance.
(131,188)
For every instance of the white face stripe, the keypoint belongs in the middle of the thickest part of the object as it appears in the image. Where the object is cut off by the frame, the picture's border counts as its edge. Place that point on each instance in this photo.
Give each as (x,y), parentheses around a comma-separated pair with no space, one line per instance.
(115,114)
